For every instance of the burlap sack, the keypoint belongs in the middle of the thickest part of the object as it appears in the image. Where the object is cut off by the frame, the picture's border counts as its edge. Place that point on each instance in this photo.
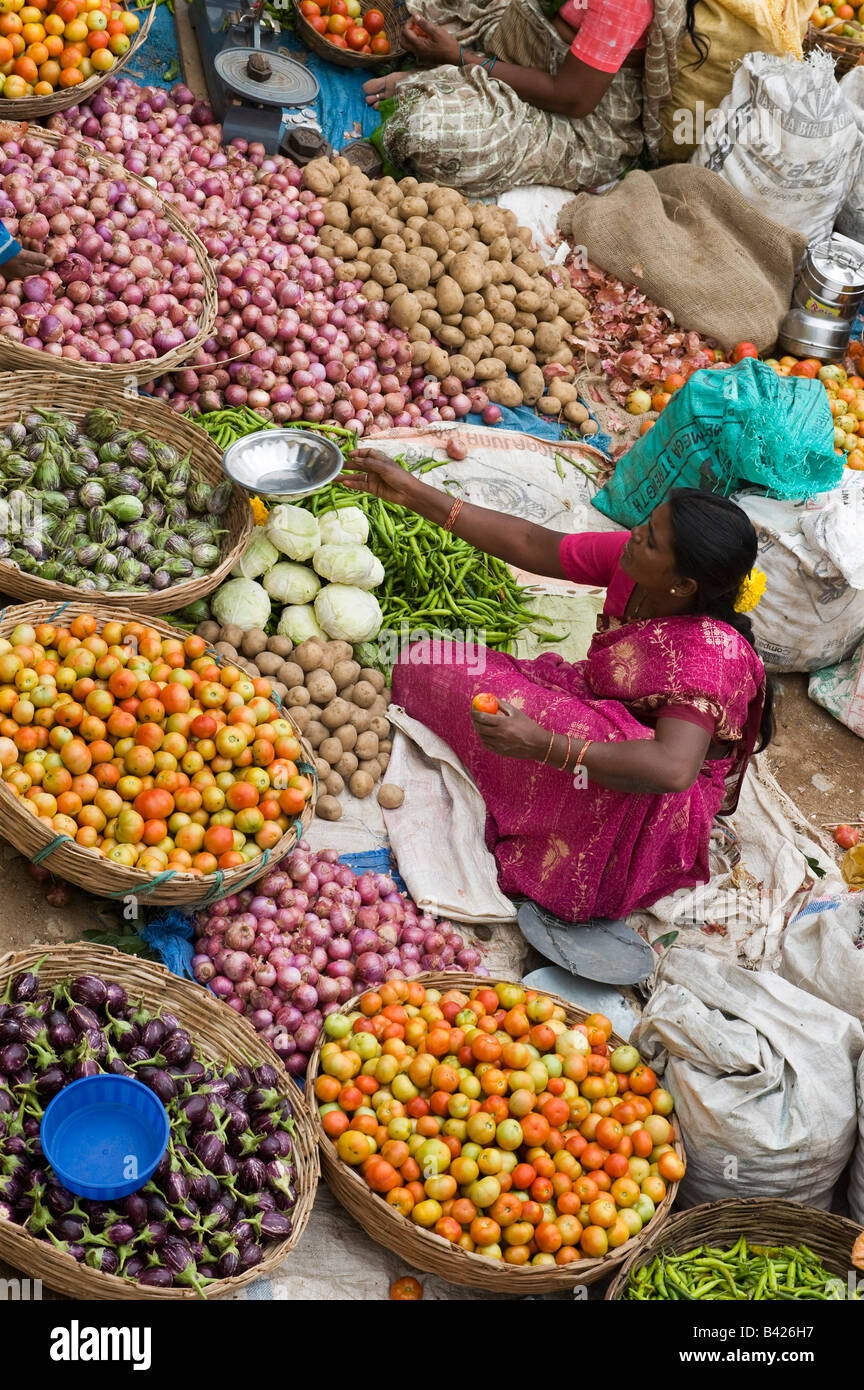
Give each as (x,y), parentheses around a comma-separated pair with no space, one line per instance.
(695,246)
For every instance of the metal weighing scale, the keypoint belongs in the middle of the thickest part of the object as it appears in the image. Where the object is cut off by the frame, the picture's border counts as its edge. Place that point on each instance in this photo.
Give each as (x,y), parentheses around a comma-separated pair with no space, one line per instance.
(250,78)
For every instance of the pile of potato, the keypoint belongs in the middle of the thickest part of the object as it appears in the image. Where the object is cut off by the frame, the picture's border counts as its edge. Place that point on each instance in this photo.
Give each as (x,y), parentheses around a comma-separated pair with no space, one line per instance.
(461,279)
(338,707)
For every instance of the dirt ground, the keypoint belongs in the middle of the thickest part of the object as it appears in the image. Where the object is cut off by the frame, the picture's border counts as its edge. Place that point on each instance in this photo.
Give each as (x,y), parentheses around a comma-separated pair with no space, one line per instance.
(817,761)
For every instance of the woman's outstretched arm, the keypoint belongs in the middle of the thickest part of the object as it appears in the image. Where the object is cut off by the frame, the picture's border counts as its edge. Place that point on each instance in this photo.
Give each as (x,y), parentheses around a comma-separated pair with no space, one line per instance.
(516,542)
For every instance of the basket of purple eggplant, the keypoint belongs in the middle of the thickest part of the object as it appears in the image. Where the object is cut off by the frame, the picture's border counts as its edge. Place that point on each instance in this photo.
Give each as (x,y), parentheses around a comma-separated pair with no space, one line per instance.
(120,497)
(232,1193)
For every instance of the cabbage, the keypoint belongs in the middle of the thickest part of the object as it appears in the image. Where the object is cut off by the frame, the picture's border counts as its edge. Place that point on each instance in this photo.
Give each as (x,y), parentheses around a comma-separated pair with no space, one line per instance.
(294,531)
(298,623)
(349,564)
(258,557)
(344,526)
(291,583)
(348,613)
(243,602)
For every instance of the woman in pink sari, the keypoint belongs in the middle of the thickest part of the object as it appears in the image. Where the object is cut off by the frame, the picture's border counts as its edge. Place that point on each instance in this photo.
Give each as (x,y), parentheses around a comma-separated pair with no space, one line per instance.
(626,757)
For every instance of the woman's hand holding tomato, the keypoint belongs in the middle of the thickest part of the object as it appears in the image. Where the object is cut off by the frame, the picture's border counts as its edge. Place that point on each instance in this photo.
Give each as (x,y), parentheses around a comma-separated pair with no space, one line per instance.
(509,733)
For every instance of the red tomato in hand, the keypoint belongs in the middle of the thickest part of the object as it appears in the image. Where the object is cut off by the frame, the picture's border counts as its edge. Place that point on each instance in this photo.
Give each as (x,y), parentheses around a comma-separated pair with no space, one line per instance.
(485,703)
(373,21)
(846,836)
(742,350)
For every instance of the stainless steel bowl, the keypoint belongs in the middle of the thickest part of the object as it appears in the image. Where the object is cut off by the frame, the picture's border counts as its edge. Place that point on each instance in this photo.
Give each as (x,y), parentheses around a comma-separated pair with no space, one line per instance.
(282,463)
(809,335)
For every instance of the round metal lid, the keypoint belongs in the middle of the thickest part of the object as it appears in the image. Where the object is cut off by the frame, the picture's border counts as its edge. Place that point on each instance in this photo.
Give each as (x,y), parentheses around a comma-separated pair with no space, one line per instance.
(290,85)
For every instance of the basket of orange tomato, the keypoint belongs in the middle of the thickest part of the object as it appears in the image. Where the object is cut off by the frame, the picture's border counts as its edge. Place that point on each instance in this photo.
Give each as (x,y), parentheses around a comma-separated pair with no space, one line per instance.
(838,27)
(136,762)
(351,33)
(54,53)
(490,1134)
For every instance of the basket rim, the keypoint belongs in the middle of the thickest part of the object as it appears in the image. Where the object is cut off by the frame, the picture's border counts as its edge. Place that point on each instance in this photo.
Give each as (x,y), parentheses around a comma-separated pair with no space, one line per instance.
(105,958)
(843,40)
(433,1246)
(150,368)
(130,878)
(179,593)
(676,1227)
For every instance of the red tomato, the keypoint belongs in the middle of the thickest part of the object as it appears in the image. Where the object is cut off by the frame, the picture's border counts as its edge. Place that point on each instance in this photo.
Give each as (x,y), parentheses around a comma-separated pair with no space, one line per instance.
(373,21)
(485,703)
(357,38)
(406,1288)
(742,350)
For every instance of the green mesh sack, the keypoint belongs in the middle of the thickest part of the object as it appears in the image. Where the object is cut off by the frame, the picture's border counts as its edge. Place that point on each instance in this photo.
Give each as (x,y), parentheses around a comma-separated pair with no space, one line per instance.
(744,425)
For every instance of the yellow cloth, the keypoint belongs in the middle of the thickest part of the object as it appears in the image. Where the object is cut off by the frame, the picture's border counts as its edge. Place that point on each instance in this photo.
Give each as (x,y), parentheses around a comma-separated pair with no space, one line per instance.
(733,28)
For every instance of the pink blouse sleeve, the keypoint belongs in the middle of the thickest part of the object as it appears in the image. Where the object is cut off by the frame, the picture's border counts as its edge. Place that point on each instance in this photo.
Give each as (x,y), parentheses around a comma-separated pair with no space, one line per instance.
(591,557)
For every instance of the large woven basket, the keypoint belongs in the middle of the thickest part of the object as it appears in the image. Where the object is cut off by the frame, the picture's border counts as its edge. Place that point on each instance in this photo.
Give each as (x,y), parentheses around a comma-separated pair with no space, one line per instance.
(425,1250)
(13,356)
(35,108)
(847,53)
(221,1035)
(395,14)
(24,391)
(761,1220)
(87,867)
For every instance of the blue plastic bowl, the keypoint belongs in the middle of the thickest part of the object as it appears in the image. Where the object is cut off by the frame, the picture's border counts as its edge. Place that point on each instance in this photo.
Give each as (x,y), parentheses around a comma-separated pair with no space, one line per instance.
(104,1136)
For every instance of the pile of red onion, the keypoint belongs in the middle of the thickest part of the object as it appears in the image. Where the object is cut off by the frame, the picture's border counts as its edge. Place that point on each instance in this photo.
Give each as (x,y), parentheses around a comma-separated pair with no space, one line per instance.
(291,341)
(298,945)
(123,286)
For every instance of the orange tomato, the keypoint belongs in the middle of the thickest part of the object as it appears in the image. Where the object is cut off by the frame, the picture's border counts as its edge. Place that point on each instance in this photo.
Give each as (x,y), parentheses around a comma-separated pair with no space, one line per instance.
(406,1289)
(380,44)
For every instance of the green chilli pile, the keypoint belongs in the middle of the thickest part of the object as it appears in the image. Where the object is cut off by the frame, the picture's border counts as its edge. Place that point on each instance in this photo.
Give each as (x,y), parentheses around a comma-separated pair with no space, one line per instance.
(102,507)
(744,1273)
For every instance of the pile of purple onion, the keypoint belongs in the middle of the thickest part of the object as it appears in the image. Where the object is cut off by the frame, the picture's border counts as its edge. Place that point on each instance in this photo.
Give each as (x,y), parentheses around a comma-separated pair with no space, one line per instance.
(225,1187)
(311,935)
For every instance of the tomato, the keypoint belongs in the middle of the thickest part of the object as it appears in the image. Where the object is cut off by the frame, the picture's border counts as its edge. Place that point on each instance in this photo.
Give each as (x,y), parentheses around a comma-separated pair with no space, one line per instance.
(846,836)
(485,703)
(742,350)
(373,21)
(380,44)
(406,1289)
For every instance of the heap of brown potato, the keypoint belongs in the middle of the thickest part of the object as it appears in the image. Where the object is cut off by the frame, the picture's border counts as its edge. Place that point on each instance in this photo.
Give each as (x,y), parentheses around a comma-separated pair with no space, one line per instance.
(339,707)
(461,279)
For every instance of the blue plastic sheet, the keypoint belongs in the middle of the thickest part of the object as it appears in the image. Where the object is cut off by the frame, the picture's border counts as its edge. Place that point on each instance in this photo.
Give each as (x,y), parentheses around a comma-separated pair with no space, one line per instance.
(171,938)
(160,55)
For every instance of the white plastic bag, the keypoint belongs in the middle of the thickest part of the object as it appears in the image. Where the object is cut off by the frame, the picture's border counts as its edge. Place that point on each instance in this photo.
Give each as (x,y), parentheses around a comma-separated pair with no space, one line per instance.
(787,139)
(822,952)
(856,1175)
(763,1077)
(809,615)
(840,690)
(850,218)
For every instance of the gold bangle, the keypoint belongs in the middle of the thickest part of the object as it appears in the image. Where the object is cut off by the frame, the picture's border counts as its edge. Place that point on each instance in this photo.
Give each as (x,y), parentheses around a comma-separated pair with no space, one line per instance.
(567,754)
(454,512)
(549,749)
(583,750)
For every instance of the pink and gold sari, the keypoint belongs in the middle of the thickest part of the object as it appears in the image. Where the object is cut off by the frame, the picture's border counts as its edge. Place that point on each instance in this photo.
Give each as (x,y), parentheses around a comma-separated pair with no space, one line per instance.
(591,851)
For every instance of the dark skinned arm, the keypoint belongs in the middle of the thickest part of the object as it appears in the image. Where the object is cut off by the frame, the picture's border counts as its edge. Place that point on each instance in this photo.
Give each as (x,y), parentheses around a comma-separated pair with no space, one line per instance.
(575,90)
(516,542)
(670,762)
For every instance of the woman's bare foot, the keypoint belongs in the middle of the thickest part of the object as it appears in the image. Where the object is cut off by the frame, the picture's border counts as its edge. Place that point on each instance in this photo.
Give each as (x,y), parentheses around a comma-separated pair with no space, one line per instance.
(378,89)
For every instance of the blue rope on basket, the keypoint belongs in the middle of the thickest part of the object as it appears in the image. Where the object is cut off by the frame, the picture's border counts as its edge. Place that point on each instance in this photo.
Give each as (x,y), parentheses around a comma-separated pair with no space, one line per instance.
(148,887)
(49,848)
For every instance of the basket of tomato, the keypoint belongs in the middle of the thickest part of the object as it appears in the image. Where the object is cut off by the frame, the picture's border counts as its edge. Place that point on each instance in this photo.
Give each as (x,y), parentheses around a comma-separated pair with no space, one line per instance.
(57,54)
(135,761)
(498,1137)
(350,33)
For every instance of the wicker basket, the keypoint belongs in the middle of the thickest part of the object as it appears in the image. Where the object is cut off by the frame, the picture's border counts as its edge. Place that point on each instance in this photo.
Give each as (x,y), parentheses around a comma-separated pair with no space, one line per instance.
(35,108)
(221,1035)
(761,1220)
(23,391)
(395,14)
(87,867)
(847,53)
(423,1249)
(14,357)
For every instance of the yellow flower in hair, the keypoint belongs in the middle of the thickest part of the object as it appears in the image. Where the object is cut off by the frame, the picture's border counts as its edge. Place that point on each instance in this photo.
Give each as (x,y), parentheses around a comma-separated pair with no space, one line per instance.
(259,511)
(752,588)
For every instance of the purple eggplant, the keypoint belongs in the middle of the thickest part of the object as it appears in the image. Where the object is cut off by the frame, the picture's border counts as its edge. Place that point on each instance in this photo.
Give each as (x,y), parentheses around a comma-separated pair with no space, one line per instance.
(251,1255)
(279,1177)
(157,1207)
(133,1268)
(176,1187)
(68,1228)
(134,1208)
(120,1233)
(10,1030)
(177,1048)
(218,1216)
(7,1105)
(119,1068)
(228,1166)
(82,1018)
(59,1199)
(89,990)
(207,1271)
(243,1232)
(266,1075)
(24,986)
(52,1080)
(12,1058)
(137,1054)
(197,1110)
(274,1224)
(229,1264)
(205,1188)
(194,1070)
(264,1201)
(115,998)
(61,1034)
(102,1258)
(86,1068)
(157,1278)
(159,1082)
(152,1035)
(155,1233)
(125,1035)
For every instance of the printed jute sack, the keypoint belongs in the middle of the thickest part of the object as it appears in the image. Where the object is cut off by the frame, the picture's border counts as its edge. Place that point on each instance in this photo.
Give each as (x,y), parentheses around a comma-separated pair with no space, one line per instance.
(763,1077)
(725,429)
